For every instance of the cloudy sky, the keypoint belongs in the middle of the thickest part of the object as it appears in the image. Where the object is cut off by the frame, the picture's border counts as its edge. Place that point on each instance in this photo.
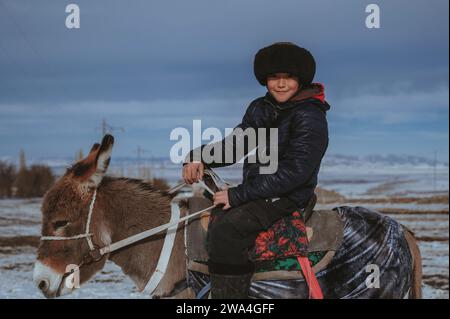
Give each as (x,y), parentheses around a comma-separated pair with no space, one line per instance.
(152,66)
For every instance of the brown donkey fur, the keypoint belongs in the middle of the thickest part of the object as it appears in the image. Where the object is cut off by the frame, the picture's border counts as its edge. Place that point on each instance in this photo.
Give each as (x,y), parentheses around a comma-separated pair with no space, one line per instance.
(123,207)
(416,288)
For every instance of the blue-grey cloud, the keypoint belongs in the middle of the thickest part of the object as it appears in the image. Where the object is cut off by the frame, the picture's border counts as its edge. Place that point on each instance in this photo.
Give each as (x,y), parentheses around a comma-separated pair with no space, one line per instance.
(152,66)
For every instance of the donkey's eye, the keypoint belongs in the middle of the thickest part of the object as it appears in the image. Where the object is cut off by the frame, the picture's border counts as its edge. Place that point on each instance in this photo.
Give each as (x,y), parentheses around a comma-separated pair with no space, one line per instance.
(60,223)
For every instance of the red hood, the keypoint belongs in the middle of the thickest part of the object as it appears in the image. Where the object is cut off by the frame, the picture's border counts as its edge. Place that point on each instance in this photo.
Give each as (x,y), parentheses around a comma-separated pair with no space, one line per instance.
(314,90)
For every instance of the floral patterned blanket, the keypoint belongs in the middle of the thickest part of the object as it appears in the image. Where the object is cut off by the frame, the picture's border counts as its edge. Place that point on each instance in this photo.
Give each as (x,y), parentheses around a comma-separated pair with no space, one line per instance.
(285,238)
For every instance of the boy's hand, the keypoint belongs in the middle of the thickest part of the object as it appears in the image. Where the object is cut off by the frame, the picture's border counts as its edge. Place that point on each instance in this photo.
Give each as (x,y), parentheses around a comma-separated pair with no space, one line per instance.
(220,198)
(193,172)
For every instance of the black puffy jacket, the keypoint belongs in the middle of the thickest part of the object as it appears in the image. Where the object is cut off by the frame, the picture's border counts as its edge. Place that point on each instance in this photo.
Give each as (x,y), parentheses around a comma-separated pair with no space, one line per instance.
(302,142)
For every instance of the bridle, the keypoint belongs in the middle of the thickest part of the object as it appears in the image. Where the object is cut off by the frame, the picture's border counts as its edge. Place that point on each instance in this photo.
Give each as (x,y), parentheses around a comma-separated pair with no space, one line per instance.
(94,252)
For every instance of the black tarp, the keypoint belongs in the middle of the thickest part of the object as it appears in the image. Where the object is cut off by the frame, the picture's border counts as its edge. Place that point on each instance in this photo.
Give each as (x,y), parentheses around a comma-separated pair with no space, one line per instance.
(371,241)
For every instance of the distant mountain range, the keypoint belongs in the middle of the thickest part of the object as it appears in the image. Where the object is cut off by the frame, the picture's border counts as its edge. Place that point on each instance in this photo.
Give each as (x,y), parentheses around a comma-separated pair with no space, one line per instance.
(380,160)
(331,160)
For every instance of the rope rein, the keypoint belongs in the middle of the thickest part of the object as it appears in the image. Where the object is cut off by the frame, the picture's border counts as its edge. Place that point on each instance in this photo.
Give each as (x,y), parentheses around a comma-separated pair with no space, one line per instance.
(134,238)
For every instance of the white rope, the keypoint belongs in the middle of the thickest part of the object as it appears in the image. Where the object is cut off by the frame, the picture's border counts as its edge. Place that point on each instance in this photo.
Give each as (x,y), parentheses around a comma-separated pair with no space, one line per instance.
(86,235)
(132,239)
(202,183)
(91,209)
(166,251)
(181,185)
(176,188)
(65,238)
(88,223)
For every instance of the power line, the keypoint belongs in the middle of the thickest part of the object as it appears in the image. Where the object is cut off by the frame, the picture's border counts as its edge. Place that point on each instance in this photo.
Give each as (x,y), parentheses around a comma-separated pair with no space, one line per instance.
(106,128)
(139,151)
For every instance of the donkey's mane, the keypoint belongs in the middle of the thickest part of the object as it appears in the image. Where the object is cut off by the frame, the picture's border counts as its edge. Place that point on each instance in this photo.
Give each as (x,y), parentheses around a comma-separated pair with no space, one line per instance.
(80,168)
(136,195)
(143,185)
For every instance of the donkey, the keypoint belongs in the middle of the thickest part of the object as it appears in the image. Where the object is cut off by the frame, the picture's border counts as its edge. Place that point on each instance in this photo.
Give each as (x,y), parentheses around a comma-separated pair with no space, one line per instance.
(123,207)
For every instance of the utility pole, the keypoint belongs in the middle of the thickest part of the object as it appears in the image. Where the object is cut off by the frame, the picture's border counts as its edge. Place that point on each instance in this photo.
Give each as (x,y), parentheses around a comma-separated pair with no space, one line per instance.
(79,155)
(22,162)
(434,171)
(106,128)
(139,152)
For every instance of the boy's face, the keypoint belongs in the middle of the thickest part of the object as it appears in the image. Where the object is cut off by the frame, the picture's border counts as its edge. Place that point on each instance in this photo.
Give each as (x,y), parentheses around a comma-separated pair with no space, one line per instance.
(282,86)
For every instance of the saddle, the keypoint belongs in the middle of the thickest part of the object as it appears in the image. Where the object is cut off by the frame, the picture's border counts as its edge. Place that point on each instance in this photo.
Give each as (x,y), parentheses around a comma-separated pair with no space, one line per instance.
(324,230)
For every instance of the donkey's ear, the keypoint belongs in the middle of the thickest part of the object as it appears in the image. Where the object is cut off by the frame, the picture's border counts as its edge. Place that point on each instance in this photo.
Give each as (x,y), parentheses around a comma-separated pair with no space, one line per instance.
(94,148)
(103,159)
(92,169)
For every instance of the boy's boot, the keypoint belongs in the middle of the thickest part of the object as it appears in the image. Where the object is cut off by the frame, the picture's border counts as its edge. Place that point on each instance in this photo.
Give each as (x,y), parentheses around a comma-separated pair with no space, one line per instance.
(230,286)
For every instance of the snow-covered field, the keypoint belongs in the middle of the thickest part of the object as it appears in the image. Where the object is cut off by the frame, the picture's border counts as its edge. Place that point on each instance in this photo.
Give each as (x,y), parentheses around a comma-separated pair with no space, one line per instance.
(20,226)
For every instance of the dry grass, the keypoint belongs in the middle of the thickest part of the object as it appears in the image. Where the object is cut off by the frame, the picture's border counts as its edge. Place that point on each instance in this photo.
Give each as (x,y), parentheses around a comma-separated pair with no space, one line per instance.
(325,196)
(386,186)
(438,199)
(32,241)
(403,211)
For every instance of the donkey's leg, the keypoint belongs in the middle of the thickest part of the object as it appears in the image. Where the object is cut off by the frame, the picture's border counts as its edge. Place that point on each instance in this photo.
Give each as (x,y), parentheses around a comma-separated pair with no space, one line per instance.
(416,288)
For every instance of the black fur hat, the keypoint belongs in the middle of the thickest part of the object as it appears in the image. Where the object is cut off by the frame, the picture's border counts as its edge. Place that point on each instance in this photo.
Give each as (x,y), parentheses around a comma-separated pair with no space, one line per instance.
(284,57)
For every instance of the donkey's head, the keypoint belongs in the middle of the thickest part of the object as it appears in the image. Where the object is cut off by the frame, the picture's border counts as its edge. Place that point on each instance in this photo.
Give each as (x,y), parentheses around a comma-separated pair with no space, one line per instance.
(65,210)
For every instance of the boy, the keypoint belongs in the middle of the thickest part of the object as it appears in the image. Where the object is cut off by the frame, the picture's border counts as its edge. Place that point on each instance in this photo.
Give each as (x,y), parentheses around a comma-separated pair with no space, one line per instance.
(297,108)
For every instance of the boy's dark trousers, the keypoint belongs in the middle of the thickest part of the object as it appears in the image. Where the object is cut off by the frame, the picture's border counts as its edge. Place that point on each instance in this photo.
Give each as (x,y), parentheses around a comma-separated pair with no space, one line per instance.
(231,234)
